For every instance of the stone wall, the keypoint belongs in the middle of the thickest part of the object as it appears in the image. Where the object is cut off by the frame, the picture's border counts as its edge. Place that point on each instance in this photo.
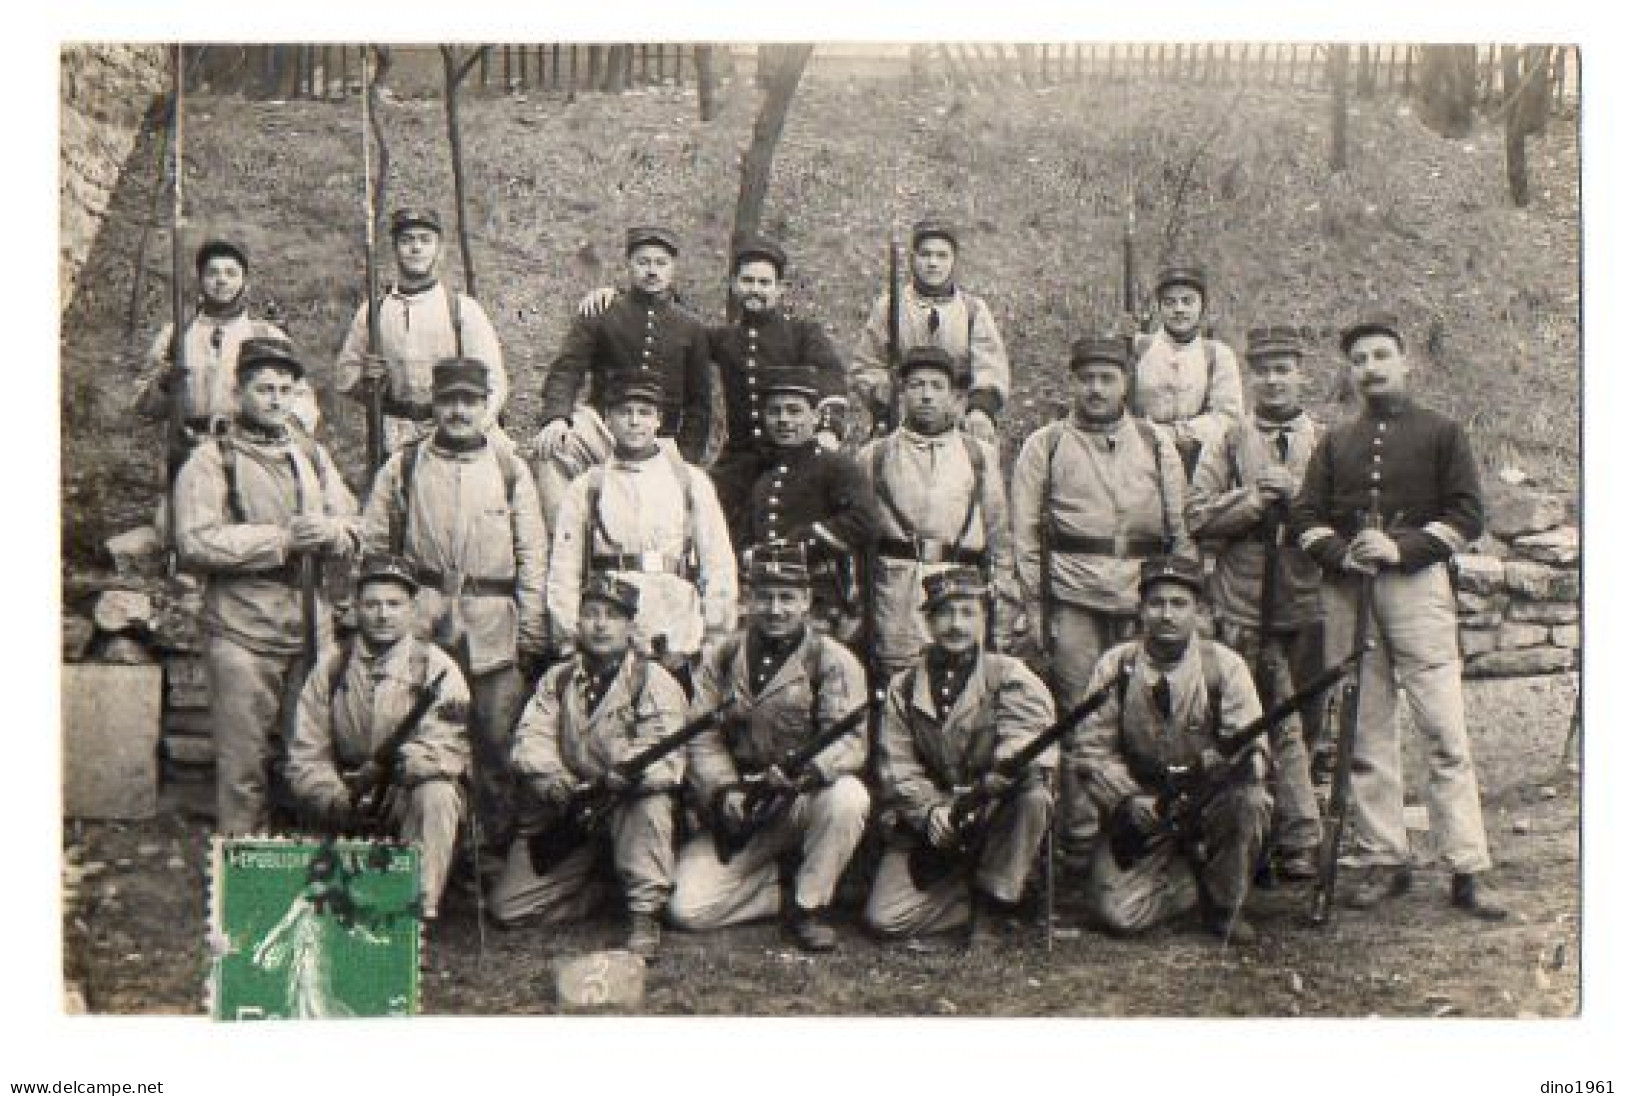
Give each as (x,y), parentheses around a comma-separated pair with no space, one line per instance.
(1518,600)
(106,92)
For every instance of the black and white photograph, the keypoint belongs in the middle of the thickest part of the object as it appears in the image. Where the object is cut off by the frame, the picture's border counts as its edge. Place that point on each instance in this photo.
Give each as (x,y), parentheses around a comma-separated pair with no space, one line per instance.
(1046,527)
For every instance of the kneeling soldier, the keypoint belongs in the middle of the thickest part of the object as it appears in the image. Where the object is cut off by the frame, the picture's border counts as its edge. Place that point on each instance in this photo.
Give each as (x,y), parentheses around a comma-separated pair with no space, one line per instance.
(385,685)
(791,684)
(1176,699)
(947,721)
(588,715)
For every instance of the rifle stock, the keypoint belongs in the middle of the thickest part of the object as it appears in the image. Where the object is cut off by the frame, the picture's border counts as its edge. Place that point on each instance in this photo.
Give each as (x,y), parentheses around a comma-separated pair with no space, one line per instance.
(373,802)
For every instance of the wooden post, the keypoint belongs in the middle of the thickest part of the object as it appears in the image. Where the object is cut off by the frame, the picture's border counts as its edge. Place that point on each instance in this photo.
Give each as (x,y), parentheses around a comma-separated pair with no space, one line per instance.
(1339,62)
(706,76)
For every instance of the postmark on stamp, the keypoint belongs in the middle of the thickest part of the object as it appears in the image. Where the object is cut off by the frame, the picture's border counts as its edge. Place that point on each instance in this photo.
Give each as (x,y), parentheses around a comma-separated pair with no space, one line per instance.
(312,928)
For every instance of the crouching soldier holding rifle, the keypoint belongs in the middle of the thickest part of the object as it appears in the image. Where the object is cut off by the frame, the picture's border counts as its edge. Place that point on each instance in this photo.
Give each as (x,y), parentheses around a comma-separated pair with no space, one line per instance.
(948,722)
(782,776)
(382,738)
(585,746)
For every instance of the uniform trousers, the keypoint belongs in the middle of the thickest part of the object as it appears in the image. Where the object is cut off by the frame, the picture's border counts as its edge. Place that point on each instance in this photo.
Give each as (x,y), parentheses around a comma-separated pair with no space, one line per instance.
(429,814)
(497,699)
(248,696)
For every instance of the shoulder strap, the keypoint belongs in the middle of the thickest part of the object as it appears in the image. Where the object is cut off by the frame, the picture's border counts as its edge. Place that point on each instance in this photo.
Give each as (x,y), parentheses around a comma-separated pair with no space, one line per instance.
(978,467)
(508,463)
(1211,352)
(1125,670)
(1148,434)
(400,515)
(884,448)
(228,467)
(1215,686)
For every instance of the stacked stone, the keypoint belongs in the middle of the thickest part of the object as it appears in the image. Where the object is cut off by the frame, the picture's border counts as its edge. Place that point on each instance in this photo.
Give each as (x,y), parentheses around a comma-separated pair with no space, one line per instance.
(1518,598)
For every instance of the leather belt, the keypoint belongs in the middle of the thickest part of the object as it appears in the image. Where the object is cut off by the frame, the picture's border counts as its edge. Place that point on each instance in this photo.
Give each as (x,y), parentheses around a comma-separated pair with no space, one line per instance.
(928,550)
(646,563)
(287,574)
(472,587)
(1121,546)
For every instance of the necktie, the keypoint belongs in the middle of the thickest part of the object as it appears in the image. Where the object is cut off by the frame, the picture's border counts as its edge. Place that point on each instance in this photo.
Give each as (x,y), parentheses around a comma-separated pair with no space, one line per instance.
(1282,443)
(933,321)
(1163,697)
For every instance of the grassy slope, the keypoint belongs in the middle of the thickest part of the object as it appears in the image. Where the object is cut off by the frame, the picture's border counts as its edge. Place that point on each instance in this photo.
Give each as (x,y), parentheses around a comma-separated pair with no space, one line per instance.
(1039,179)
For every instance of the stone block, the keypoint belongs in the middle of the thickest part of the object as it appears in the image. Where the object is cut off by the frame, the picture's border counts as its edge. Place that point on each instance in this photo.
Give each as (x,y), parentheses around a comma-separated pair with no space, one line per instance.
(1512,513)
(137,552)
(1468,602)
(177,607)
(1513,636)
(1489,545)
(1479,574)
(1559,547)
(1539,582)
(189,751)
(1477,641)
(1566,636)
(1489,619)
(188,721)
(77,632)
(123,651)
(110,740)
(122,610)
(1543,612)
(1523,663)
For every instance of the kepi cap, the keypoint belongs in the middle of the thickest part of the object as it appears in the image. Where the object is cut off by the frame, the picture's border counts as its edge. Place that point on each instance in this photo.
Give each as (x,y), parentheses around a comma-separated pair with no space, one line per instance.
(414,217)
(760,247)
(798,380)
(1099,346)
(776,565)
(387,568)
(938,227)
(1186,572)
(1182,274)
(461,375)
(215,249)
(269,350)
(1265,342)
(639,235)
(611,591)
(953,582)
(1371,323)
(935,357)
(638,384)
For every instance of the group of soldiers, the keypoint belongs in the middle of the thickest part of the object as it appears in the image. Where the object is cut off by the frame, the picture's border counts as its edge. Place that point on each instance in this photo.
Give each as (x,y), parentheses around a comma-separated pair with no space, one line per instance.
(692,644)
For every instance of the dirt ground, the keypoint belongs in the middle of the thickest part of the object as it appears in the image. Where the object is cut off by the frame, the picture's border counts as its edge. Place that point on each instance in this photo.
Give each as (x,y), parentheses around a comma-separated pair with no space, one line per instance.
(134,937)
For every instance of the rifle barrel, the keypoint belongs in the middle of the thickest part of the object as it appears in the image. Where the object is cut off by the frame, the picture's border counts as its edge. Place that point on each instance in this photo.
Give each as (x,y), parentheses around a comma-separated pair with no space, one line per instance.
(375,392)
(179,383)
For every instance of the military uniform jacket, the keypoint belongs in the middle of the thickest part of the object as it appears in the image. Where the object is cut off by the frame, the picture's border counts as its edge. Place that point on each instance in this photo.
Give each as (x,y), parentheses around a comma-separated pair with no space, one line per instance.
(1126,745)
(964,327)
(1174,384)
(924,754)
(1422,469)
(1105,484)
(639,334)
(210,347)
(817,686)
(1224,507)
(815,498)
(774,341)
(559,740)
(415,330)
(238,538)
(351,706)
(478,553)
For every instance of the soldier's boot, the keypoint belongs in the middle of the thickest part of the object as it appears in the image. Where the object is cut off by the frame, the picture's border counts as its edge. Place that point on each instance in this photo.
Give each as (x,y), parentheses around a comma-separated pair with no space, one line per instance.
(987,915)
(811,931)
(1379,885)
(1298,865)
(643,934)
(1468,893)
(1231,927)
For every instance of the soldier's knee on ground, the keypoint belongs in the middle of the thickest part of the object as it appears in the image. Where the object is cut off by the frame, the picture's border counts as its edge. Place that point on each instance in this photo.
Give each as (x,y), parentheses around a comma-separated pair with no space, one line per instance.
(845,801)
(437,802)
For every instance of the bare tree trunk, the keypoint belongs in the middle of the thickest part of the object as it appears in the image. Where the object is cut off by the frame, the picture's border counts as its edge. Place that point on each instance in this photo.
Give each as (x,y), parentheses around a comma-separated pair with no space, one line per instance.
(1340,106)
(595,67)
(1449,89)
(1525,74)
(615,78)
(455,73)
(706,77)
(757,168)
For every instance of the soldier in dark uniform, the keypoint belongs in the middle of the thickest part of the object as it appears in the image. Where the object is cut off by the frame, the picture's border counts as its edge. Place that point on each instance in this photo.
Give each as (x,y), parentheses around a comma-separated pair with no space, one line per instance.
(813,498)
(1394,493)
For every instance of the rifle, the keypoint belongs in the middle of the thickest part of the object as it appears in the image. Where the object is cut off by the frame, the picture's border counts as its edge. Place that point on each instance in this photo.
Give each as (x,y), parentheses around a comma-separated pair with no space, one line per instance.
(373,796)
(1274,525)
(309,581)
(973,807)
(1188,789)
(176,449)
(584,817)
(885,415)
(764,805)
(1348,724)
(375,388)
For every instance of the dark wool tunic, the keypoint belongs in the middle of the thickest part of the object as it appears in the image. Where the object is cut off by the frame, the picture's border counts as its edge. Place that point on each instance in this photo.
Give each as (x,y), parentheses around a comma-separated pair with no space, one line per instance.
(773,341)
(815,498)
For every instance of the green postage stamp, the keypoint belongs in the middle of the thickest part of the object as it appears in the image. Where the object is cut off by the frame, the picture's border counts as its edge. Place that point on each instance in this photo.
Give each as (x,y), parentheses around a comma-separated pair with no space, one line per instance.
(308,928)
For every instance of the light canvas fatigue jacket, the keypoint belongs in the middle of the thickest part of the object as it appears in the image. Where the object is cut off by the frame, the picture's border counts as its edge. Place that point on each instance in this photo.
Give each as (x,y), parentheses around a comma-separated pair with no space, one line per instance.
(466,538)
(1095,483)
(817,686)
(239,541)
(558,741)
(1172,384)
(965,329)
(924,754)
(210,346)
(345,715)
(415,330)
(1225,508)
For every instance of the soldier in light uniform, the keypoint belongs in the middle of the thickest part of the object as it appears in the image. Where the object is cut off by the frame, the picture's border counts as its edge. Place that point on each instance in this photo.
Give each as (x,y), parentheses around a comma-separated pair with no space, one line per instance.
(1173,699)
(790,684)
(813,499)
(1239,498)
(1183,379)
(947,721)
(356,698)
(941,500)
(420,321)
(937,312)
(1394,493)
(651,519)
(589,714)
(246,509)
(642,332)
(463,512)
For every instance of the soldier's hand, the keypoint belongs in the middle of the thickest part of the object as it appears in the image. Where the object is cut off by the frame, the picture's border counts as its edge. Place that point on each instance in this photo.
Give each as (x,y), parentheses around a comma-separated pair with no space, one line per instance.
(979,425)
(366,778)
(827,441)
(996,784)
(551,436)
(939,827)
(596,302)
(733,807)
(776,779)
(1374,548)
(374,367)
(1274,483)
(309,533)
(1212,762)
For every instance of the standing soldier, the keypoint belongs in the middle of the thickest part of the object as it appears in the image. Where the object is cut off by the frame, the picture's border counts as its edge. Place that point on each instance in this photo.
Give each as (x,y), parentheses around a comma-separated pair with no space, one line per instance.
(1183,379)
(420,322)
(248,508)
(463,512)
(813,499)
(789,684)
(1173,701)
(948,720)
(941,502)
(212,342)
(1091,497)
(588,715)
(650,519)
(937,312)
(1399,519)
(643,332)
(1240,495)
(366,692)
